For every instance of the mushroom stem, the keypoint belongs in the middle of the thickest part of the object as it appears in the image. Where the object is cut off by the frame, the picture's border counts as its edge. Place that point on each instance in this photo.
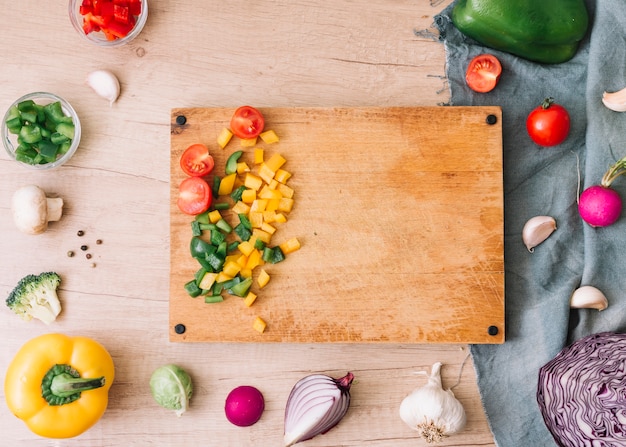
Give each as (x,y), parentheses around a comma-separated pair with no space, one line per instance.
(55,208)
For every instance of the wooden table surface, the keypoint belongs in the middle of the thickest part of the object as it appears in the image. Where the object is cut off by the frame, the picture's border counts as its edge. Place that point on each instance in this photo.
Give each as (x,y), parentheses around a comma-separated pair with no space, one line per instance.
(116,188)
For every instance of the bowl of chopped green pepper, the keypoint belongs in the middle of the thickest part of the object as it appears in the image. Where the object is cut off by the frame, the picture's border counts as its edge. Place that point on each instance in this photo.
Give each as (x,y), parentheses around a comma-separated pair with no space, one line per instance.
(41,130)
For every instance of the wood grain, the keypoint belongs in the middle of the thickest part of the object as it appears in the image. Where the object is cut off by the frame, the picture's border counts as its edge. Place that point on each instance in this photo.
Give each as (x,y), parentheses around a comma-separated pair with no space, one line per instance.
(275,53)
(400,214)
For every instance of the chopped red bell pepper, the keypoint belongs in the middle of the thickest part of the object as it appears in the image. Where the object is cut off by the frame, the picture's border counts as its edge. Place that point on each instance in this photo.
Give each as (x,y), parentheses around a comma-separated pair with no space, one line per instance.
(115,18)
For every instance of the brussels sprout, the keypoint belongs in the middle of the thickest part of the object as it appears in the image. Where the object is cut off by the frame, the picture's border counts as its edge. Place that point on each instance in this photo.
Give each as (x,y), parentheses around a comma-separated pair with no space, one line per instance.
(171,388)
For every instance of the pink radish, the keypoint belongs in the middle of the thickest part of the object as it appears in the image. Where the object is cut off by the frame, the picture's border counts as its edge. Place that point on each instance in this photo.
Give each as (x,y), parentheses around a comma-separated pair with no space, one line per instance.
(599,205)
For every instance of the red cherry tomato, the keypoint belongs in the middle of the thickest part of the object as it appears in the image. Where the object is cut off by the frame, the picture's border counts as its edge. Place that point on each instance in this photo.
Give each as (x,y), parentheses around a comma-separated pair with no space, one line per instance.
(548,124)
(247,122)
(194,196)
(483,73)
(196,161)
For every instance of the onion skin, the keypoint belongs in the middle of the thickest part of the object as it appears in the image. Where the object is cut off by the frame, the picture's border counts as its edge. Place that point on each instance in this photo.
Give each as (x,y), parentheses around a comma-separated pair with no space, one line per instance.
(582,392)
(600,206)
(316,404)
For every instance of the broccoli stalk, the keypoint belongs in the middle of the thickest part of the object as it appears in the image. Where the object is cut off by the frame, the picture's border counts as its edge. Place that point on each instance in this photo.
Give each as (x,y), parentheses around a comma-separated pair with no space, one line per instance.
(35,296)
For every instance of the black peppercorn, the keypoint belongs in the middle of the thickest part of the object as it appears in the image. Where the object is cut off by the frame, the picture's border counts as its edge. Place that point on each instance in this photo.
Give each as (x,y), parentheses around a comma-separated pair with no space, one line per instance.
(84,247)
(80,233)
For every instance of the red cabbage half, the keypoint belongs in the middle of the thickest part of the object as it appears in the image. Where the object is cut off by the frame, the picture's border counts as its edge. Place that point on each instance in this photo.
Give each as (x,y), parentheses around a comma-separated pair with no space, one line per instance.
(582,392)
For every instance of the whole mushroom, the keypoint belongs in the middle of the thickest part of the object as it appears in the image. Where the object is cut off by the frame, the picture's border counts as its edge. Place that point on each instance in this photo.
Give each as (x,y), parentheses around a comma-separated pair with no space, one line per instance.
(32,209)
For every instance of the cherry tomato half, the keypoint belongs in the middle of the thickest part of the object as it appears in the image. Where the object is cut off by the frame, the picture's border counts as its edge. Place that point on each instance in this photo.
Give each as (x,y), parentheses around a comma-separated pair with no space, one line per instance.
(196,161)
(483,73)
(194,196)
(247,122)
(548,124)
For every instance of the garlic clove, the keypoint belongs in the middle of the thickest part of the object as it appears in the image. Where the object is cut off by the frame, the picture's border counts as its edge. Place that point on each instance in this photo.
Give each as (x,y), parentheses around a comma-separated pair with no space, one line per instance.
(537,230)
(615,101)
(105,84)
(588,297)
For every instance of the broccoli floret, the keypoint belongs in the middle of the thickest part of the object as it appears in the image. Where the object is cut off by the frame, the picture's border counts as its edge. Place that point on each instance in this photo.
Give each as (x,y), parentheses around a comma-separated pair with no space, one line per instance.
(35,296)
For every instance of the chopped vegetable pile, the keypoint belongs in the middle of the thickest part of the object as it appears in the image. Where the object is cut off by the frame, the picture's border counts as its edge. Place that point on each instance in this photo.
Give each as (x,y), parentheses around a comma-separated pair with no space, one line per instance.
(115,18)
(233,235)
(44,132)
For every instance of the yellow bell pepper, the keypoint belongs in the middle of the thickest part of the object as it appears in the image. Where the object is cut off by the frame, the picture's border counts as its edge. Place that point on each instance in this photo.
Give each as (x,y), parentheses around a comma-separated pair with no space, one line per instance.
(59,385)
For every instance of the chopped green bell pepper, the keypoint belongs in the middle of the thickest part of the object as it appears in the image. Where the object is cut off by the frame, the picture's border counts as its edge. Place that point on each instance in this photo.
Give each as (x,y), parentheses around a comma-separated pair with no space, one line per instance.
(545,31)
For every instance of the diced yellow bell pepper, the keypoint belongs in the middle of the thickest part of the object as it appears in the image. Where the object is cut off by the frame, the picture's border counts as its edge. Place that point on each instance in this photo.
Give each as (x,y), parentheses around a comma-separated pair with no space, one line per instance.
(245,272)
(280,218)
(262,235)
(245,247)
(275,162)
(231,269)
(252,181)
(263,278)
(258,156)
(272,205)
(221,277)
(254,260)
(256,219)
(259,325)
(268,228)
(273,184)
(285,190)
(232,258)
(248,196)
(248,142)
(241,208)
(290,245)
(242,167)
(269,137)
(242,261)
(267,193)
(215,216)
(282,176)
(226,184)
(269,216)
(249,299)
(266,173)
(259,205)
(285,204)
(207,280)
(224,137)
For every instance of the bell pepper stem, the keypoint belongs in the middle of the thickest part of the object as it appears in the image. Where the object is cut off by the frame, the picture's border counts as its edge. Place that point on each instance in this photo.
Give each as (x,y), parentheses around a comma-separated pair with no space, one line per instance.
(62,384)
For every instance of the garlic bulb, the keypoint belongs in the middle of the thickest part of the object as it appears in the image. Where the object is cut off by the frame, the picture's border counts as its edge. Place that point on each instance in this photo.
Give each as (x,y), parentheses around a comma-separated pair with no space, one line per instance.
(105,84)
(432,411)
(615,101)
(588,297)
(537,230)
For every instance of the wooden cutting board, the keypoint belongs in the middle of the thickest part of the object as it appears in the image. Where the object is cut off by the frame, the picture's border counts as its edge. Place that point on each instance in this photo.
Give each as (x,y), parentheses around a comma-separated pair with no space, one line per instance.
(399,212)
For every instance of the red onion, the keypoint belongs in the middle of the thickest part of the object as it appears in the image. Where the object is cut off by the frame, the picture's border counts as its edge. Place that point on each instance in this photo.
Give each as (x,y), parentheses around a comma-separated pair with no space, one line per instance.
(315,405)
(582,392)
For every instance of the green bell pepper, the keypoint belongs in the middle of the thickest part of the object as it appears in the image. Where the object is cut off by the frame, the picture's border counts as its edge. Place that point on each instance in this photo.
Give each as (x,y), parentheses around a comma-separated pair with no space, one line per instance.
(545,31)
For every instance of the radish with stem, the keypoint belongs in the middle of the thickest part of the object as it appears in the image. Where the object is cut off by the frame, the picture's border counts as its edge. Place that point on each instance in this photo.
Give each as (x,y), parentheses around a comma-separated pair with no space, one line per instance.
(600,205)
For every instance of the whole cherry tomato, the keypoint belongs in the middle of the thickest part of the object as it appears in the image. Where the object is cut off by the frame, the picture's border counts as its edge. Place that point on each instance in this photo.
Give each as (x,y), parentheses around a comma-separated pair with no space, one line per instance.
(548,124)
(247,122)
(483,73)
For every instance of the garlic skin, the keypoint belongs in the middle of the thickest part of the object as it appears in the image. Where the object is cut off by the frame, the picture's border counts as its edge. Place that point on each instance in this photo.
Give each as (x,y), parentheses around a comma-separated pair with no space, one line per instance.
(432,411)
(537,230)
(105,84)
(588,297)
(615,101)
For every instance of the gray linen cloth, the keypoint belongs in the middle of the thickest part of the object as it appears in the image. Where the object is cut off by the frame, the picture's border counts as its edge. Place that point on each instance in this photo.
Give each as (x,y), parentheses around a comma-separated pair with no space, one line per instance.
(545,181)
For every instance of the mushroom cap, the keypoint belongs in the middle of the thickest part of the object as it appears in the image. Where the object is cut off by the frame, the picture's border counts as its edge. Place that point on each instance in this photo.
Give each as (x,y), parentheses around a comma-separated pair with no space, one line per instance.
(30,209)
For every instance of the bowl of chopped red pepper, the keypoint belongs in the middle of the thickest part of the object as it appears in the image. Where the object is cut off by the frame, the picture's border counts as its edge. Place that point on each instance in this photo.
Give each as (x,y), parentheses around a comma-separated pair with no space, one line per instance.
(41,131)
(108,23)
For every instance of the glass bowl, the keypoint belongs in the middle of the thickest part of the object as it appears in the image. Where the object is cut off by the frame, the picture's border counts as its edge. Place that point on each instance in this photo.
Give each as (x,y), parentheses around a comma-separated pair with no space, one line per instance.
(99,37)
(10,140)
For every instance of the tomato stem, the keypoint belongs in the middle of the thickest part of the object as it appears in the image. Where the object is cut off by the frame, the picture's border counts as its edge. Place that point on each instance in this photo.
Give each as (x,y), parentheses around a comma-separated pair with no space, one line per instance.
(614,171)
(547,103)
